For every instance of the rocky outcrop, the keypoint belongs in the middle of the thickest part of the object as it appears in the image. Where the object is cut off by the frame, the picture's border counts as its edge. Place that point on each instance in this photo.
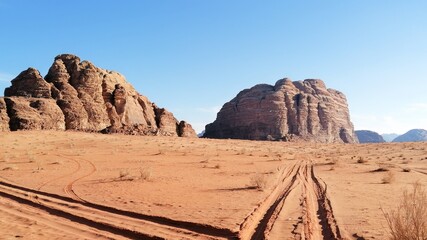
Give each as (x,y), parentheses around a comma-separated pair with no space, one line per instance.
(78,95)
(301,110)
(414,135)
(4,118)
(366,136)
(185,130)
(29,83)
(34,114)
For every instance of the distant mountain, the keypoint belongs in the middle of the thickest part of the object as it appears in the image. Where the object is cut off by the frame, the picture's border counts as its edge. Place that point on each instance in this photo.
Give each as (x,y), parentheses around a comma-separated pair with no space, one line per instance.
(389,137)
(201,134)
(414,135)
(366,136)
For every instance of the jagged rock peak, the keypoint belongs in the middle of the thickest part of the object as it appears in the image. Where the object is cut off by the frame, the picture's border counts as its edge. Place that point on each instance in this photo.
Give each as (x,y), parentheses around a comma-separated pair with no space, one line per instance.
(78,95)
(289,110)
(29,83)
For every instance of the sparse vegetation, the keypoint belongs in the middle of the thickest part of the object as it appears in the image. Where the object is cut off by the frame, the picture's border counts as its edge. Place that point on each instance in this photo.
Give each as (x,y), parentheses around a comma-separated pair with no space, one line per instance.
(361,160)
(409,220)
(123,173)
(204,161)
(259,181)
(145,173)
(388,178)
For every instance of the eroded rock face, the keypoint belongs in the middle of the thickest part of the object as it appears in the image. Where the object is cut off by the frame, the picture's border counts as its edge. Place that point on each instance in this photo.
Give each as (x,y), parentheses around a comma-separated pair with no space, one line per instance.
(300,110)
(34,114)
(29,83)
(186,130)
(4,118)
(88,98)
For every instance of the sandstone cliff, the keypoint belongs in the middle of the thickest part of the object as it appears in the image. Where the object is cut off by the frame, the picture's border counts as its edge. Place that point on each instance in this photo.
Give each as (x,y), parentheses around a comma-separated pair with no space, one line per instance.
(300,110)
(80,96)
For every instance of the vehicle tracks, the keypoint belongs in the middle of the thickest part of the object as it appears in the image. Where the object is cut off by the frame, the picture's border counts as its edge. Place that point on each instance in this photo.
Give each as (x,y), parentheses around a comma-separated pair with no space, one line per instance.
(314,218)
(298,207)
(108,219)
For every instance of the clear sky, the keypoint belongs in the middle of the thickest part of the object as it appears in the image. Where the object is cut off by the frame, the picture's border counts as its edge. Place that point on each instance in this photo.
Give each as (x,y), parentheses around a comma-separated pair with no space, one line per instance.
(192,56)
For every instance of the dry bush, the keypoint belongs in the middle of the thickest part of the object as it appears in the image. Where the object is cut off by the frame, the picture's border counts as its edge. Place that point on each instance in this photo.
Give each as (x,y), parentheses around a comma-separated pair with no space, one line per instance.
(145,173)
(204,161)
(389,177)
(409,220)
(123,173)
(259,181)
(361,160)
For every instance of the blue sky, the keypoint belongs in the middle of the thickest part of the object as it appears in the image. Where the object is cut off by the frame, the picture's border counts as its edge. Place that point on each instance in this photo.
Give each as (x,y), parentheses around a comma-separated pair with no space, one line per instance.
(192,56)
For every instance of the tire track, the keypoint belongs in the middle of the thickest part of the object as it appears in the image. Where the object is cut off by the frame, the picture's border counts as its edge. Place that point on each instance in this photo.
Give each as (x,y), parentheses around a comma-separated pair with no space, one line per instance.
(316,219)
(330,228)
(262,218)
(76,218)
(34,214)
(68,189)
(63,176)
(125,223)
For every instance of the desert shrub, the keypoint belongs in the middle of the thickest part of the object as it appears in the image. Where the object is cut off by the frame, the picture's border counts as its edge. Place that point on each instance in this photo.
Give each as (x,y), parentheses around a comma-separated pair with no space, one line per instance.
(123,173)
(388,178)
(409,220)
(145,173)
(259,181)
(361,160)
(382,167)
(204,161)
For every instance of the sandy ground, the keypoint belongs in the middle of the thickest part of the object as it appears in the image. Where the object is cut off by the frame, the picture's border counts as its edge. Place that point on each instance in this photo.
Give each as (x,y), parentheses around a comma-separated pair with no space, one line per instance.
(71,185)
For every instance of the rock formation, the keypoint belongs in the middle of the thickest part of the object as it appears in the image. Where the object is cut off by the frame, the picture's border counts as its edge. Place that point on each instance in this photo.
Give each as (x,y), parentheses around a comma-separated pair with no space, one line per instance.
(414,135)
(80,96)
(4,118)
(366,136)
(291,111)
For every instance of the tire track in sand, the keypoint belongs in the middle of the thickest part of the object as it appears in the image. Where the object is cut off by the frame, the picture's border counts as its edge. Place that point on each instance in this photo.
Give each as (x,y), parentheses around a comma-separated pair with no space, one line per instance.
(68,188)
(316,219)
(110,220)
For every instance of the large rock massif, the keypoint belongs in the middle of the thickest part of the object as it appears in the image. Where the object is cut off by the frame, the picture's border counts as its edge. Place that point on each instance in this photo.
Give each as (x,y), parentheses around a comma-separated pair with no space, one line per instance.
(291,111)
(80,96)
(366,136)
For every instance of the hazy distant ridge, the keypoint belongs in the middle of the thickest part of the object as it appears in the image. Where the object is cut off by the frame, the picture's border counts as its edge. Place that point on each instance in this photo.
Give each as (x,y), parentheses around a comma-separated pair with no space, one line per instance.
(414,135)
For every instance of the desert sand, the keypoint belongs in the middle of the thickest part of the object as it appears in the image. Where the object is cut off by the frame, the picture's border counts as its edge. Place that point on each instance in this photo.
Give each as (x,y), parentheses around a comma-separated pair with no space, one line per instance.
(73,185)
